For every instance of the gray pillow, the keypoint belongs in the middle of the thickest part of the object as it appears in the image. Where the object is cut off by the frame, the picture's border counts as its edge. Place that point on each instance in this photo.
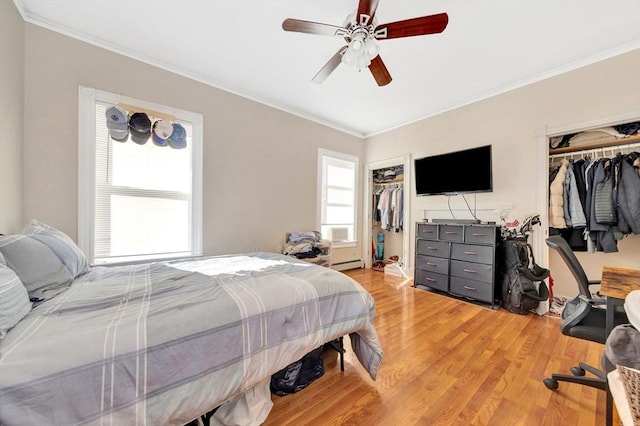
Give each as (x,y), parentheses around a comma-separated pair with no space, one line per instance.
(14,301)
(62,246)
(37,266)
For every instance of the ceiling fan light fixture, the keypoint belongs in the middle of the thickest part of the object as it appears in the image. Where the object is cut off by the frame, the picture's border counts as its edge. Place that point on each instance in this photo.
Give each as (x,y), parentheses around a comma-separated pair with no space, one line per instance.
(348,58)
(360,51)
(362,62)
(371,48)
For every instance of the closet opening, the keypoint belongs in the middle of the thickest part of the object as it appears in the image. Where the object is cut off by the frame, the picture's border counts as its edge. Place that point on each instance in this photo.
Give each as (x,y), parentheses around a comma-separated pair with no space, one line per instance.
(593,187)
(387,200)
(602,145)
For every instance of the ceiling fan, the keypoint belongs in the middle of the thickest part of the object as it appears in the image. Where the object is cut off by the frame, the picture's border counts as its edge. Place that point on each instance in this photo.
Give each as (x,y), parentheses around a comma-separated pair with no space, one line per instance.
(361,31)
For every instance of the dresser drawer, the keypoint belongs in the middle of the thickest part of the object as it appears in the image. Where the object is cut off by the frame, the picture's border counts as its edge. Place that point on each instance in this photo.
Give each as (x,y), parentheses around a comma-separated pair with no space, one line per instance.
(470,288)
(433,280)
(480,234)
(433,264)
(472,253)
(428,231)
(432,248)
(451,233)
(474,271)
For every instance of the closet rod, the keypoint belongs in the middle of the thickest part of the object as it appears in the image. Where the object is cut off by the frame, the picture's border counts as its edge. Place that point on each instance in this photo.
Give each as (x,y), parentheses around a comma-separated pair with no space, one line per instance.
(596,151)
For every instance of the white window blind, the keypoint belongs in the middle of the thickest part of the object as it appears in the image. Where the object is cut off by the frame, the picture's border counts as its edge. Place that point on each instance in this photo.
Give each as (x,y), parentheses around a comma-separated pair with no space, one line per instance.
(144,201)
(338,177)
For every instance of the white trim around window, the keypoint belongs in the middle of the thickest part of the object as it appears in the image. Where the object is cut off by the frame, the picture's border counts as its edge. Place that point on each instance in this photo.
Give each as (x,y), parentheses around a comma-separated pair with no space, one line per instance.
(337,214)
(89,101)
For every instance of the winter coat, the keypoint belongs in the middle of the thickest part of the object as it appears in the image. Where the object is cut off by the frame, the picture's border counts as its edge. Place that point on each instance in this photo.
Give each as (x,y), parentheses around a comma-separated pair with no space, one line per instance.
(573,211)
(556,198)
(629,195)
(600,233)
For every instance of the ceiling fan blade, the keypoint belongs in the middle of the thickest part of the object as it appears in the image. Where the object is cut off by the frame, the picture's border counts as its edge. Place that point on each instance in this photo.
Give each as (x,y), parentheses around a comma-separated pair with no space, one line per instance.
(379,71)
(367,7)
(423,25)
(309,27)
(331,65)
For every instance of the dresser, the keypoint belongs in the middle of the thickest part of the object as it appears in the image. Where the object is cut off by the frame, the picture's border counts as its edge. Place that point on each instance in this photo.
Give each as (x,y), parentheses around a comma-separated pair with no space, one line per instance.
(458,259)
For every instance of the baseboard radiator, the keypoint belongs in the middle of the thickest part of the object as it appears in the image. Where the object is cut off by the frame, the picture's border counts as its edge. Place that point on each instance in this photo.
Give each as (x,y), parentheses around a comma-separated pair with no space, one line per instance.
(349,264)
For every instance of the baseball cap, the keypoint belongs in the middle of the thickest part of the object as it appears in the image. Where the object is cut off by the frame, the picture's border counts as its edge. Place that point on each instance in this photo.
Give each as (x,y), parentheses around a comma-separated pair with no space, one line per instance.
(117,123)
(162,129)
(140,127)
(178,138)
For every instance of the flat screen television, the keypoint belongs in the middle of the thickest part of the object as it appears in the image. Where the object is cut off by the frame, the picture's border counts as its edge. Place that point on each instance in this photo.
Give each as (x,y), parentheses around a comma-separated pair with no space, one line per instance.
(455,172)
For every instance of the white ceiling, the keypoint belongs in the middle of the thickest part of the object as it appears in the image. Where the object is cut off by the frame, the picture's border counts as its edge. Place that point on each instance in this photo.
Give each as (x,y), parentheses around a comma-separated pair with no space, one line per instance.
(488,47)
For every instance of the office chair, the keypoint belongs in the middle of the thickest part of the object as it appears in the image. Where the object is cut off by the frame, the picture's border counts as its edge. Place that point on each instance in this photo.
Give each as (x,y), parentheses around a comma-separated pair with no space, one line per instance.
(582,319)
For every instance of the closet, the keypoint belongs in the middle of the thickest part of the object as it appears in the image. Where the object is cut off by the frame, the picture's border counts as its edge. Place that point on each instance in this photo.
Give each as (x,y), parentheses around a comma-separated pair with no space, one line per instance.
(614,248)
(594,187)
(387,209)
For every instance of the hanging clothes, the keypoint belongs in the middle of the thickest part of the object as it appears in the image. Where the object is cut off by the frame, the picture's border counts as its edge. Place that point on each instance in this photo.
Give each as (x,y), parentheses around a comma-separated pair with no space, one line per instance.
(556,201)
(594,204)
(628,193)
(389,207)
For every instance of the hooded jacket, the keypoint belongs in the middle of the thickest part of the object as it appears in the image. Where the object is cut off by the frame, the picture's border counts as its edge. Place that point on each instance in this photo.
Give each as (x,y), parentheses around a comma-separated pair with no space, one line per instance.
(629,194)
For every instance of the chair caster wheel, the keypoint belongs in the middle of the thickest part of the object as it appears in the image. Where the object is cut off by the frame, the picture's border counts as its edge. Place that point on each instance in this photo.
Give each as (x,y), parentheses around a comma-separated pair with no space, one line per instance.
(551,384)
(577,371)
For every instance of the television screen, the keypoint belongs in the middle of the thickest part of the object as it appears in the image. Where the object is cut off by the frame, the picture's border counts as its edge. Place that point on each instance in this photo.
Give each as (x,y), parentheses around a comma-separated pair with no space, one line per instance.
(454,172)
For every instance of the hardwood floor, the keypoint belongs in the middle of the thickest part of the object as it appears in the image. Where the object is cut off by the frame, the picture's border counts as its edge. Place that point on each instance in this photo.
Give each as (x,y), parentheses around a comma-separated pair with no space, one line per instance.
(449,362)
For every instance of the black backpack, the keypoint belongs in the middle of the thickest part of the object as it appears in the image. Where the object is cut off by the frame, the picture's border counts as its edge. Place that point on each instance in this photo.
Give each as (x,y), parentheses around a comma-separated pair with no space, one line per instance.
(518,277)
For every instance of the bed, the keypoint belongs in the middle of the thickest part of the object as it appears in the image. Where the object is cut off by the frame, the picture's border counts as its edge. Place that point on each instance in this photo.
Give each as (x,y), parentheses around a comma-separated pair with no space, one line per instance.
(165,342)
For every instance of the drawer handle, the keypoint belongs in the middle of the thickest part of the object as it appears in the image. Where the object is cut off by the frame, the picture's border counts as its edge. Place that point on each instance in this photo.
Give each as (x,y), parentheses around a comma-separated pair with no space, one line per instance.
(432,264)
(478,234)
(432,248)
(451,232)
(427,231)
(471,253)
(430,279)
(471,271)
(466,287)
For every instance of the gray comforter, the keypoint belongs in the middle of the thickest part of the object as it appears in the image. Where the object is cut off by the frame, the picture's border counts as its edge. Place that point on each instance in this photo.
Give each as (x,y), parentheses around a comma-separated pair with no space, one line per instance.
(162,343)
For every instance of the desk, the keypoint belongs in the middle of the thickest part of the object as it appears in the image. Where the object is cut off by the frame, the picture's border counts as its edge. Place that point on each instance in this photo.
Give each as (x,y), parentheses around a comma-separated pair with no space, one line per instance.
(616,284)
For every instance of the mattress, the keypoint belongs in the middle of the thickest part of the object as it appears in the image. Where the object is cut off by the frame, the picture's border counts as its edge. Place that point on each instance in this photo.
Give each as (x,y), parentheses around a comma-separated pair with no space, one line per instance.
(162,343)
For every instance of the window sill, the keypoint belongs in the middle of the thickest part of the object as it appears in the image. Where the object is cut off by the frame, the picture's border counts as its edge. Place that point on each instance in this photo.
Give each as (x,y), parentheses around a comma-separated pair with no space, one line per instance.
(343,244)
(133,260)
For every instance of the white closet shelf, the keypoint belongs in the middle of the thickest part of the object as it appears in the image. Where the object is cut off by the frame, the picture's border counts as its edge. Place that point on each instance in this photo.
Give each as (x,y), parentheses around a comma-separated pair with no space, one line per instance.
(596,145)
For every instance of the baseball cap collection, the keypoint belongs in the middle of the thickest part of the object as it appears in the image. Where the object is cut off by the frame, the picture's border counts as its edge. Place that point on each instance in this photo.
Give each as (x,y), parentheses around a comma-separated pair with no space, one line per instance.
(138,125)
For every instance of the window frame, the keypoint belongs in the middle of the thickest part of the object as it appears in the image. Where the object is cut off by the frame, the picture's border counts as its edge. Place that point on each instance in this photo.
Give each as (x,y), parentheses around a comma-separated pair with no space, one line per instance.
(87,98)
(334,155)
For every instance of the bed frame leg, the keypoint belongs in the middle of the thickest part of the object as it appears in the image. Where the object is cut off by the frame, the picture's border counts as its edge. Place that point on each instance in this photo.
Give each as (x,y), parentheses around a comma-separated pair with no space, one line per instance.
(341,347)
(338,346)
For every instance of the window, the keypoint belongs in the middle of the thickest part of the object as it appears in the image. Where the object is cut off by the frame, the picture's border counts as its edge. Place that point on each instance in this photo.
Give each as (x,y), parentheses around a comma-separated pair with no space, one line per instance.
(337,189)
(137,202)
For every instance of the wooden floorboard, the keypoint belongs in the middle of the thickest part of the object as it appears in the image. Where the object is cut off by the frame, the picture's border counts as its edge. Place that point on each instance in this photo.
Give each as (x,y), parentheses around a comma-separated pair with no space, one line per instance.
(449,362)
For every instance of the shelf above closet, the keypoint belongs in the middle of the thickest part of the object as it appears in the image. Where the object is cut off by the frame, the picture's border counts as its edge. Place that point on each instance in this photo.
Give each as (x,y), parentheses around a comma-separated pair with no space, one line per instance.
(398,181)
(594,145)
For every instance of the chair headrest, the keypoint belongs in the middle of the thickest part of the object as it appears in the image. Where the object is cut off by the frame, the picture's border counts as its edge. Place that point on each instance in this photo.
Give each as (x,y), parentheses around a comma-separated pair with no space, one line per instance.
(632,308)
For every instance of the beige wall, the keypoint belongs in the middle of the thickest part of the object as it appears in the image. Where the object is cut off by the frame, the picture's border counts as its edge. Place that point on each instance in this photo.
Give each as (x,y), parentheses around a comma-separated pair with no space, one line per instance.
(509,122)
(12,41)
(259,162)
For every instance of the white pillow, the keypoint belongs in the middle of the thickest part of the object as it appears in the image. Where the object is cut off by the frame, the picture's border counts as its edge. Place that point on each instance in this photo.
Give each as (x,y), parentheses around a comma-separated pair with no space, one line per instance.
(61,244)
(39,268)
(14,300)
